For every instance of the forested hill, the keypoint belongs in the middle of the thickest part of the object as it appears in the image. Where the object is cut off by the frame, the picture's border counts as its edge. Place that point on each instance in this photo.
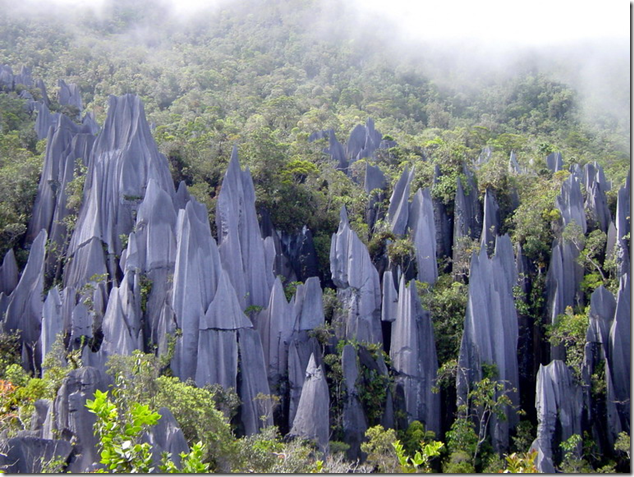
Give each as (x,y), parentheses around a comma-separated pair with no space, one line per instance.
(255,215)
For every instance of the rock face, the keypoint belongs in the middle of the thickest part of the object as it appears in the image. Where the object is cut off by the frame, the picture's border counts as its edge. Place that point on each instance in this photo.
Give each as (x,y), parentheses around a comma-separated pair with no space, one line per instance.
(491,330)
(620,355)
(559,406)
(554,161)
(71,418)
(69,95)
(622,222)
(25,455)
(239,242)
(354,420)
(311,420)
(358,284)
(363,142)
(67,151)
(490,222)
(423,231)
(596,201)
(24,304)
(413,353)
(123,160)
(398,212)
(570,203)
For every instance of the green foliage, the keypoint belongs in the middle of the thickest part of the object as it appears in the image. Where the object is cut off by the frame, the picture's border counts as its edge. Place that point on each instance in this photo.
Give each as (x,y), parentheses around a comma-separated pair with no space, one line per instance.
(573,462)
(401,253)
(119,431)
(379,449)
(420,462)
(521,463)
(570,330)
(191,463)
(266,452)
(195,409)
(447,302)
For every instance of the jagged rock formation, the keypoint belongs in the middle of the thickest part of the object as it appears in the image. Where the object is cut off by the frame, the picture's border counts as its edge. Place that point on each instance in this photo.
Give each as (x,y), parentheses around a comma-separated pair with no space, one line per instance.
(423,230)
(596,201)
(67,149)
(374,180)
(123,160)
(26,455)
(554,162)
(413,353)
(363,142)
(444,224)
(490,221)
(145,273)
(69,95)
(311,420)
(559,407)
(239,242)
(620,359)
(491,330)
(570,203)
(358,284)
(467,223)
(24,304)
(354,420)
(398,212)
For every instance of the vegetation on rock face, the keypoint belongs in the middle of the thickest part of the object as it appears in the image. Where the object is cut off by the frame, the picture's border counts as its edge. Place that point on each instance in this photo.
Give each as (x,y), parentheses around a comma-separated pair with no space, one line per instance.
(265,76)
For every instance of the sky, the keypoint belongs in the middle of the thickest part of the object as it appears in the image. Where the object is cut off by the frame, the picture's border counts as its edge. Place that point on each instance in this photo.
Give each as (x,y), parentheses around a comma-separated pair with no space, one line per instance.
(525,23)
(530,23)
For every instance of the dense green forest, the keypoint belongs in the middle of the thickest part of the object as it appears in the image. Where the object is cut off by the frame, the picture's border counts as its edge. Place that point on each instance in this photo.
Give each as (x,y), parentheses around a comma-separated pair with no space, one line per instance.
(265,76)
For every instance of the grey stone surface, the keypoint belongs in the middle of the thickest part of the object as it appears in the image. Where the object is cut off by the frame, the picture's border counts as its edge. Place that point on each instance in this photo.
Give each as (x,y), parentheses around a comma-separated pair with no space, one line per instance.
(389,306)
(563,280)
(620,354)
(256,411)
(398,212)
(166,436)
(8,273)
(559,408)
(68,147)
(374,178)
(25,455)
(622,223)
(52,321)
(24,309)
(491,330)
(301,347)
(275,325)
(240,244)
(72,419)
(311,420)
(514,166)
(490,221)
(123,160)
(413,354)
(197,272)
(570,203)
(122,322)
(444,223)
(44,121)
(358,282)
(554,161)
(354,420)
(308,305)
(69,95)
(422,227)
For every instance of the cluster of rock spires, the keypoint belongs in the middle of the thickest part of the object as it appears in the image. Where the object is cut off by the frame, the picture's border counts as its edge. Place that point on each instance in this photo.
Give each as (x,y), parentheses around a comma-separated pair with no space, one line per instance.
(140,265)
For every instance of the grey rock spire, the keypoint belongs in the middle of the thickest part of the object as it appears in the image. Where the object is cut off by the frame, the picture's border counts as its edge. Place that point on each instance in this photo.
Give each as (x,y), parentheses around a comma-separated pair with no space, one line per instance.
(413,353)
